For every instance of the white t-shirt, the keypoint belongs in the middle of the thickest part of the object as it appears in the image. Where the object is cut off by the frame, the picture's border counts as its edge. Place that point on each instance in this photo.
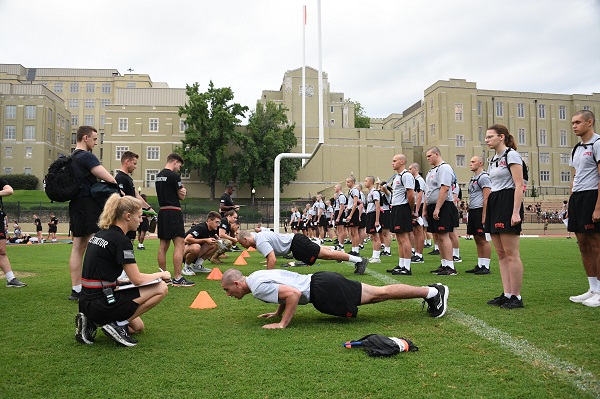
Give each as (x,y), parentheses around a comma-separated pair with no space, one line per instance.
(499,170)
(476,186)
(373,196)
(441,175)
(402,182)
(586,170)
(267,241)
(264,284)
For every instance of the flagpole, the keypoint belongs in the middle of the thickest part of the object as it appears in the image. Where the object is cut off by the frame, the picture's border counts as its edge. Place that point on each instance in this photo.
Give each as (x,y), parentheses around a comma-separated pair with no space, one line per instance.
(303,82)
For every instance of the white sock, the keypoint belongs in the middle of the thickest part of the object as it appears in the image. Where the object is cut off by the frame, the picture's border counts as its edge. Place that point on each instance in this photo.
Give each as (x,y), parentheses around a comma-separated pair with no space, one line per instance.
(456,252)
(428,242)
(519,297)
(186,264)
(479,261)
(436,247)
(444,262)
(376,254)
(485,262)
(199,262)
(450,264)
(77,288)
(420,255)
(400,262)
(354,259)
(432,292)
(356,249)
(592,280)
(406,263)
(9,276)
(507,295)
(388,250)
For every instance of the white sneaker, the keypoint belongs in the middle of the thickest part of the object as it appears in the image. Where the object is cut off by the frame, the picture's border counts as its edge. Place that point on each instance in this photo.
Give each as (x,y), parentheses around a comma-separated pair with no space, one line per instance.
(581,298)
(187,271)
(374,260)
(594,301)
(123,278)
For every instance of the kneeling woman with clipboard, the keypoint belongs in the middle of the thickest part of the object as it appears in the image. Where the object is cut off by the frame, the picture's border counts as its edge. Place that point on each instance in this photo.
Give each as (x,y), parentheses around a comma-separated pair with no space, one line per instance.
(115,309)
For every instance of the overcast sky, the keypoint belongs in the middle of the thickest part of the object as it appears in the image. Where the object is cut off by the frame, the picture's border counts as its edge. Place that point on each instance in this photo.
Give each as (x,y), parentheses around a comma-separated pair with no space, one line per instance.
(383,54)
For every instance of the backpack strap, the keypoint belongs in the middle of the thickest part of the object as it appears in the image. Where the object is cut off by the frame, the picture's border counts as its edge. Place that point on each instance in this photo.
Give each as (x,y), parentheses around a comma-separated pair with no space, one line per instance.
(580,144)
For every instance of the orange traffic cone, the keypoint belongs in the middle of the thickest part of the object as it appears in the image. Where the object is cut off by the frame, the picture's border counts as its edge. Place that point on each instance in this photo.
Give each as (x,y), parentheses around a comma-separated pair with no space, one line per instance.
(251,249)
(215,274)
(203,301)
(245,254)
(240,261)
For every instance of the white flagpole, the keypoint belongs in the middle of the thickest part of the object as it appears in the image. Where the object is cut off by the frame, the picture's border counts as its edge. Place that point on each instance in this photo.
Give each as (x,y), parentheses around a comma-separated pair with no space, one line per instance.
(303,82)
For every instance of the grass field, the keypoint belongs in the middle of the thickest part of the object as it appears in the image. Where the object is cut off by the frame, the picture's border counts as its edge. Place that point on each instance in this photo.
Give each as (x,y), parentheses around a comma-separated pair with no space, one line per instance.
(549,349)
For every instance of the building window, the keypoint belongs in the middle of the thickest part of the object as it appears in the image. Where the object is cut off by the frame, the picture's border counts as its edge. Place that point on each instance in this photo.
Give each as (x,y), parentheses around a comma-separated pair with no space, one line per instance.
(30,111)
(563,138)
(331,109)
(184,173)
(102,120)
(565,158)
(460,140)
(151,177)
(544,176)
(422,117)
(521,136)
(74,87)
(542,111)
(28,152)
(422,136)
(119,150)
(499,109)
(73,138)
(123,124)
(525,157)
(479,108)
(7,170)
(89,120)
(587,108)
(332,122)
(182,125)
(90,88)
(105,87)
(431,106)
(460,161)
(8,152)
(73,103)
(10,132)
(520,110)
(57,138)
(562,113)
(543,137)
(29,133)
(130,85)
(105,102)
(565,176)
(89,103)
(152,153)
(50,115)
(58,87)
(49,135)
(11,112)
(153,125)
(544,157)
(27,171)
(75,120)
(458,112)
(432,129)
(101,138)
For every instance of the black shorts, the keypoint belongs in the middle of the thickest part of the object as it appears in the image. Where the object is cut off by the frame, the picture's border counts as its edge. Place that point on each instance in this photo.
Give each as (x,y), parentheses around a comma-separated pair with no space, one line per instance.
(100,312)
(294,225)
(144,225)
(499,213)
(38,228)
(304,249)
(83,214)
(474,223)
(370,219)
(446,221)
(170,224)
(333,294)
(581,207)
(363,221)
(323,221)
(457,222)
(401,219)
(52,229)
(385,219)
(341,221)
(354,222)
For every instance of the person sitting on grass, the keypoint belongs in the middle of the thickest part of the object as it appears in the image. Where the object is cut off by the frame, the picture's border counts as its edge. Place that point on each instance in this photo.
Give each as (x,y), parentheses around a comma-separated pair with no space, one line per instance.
(329,292)
(271,245)
(11,280)
(108,253)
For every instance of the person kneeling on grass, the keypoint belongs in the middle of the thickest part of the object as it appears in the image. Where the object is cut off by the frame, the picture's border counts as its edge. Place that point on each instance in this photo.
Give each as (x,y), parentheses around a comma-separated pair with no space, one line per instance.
(108,253)
(329,292)
(271,245)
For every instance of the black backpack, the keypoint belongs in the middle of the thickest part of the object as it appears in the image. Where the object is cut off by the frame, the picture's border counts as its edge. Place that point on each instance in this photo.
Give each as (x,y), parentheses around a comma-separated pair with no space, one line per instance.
(62,183)
(525,168)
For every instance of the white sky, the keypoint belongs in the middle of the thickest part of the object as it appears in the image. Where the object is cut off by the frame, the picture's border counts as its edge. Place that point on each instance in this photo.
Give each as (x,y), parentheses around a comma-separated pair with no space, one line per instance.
(383,54)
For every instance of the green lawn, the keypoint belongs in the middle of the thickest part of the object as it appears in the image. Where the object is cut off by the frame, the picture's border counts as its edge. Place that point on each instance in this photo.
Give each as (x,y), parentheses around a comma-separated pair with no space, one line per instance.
(549,349)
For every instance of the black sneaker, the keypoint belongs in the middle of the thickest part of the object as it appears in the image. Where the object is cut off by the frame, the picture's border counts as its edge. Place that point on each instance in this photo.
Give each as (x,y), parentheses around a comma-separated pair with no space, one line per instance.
(498,301)
(361,266)
(512,303)
(427,246)
(385,253)
(456,259)
(403,271)
(182,282)
(416,259)
(482,270)
(437,306)
(74,295)
(85,329)
(235,248)
(361,246)
(392,270)
(448,271)
(436,271)
(119,334)
(435,252)
(14,283)
(473,270)
(353,253)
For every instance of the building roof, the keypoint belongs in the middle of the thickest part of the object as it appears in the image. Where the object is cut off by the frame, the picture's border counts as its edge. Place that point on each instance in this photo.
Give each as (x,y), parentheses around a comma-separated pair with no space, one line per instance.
(150,97)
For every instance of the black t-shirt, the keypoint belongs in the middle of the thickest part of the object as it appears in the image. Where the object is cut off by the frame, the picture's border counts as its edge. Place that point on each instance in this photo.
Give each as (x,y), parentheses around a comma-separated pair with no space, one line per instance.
(37,222)
(225,226)
(86,161)
(125,183)
(167,185)
(54,221)
(201,230)
(226,201)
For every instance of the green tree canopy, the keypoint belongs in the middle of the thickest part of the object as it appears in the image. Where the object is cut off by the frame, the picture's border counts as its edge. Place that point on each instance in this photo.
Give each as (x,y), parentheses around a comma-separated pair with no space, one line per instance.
(361,120)
(211,118)
(268,134)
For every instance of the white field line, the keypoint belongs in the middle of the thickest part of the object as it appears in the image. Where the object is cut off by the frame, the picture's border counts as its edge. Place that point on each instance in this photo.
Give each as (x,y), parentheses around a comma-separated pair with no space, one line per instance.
(572,374)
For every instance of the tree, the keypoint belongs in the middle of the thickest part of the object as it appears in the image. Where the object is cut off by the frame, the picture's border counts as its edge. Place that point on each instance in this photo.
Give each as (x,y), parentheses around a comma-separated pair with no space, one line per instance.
(268,134)
(361,120)
(211,118)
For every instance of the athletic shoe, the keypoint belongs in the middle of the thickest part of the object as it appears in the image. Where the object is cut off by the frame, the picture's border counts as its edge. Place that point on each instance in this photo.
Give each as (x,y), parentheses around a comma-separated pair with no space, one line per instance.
(436,271)
(353,253)
(403,271)
(581,298)
(85,329)
(513,303)
(123,278)
(498,301)
(200,269)
(141,246)
(416,259)
(448,271)
(392,270)
(187,271)
(437,306)
(288,256)
(482,270)
(74,295)
(182,282)
(235,249)
(382,246)
(361,246)
(456,259)
(374,260)
(435,252)
(119,334)
(473,270)
(361,266)
(14,283)
(347,241)
(594,301)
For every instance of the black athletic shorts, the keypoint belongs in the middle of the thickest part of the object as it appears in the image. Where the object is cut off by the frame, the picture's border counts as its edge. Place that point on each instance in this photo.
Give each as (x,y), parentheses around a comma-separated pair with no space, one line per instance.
(38,228)
(354,222)
(446,221)
(385,219)
(581,207)
(100,312)
(294,225)
(401,219)
(304,249)
(144,225)
(341,221)
(331,293)
(363,221)
(323,221)
(83,216)
(370,219)
(474,223)
(170,224)
(499,213)
(52,228)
